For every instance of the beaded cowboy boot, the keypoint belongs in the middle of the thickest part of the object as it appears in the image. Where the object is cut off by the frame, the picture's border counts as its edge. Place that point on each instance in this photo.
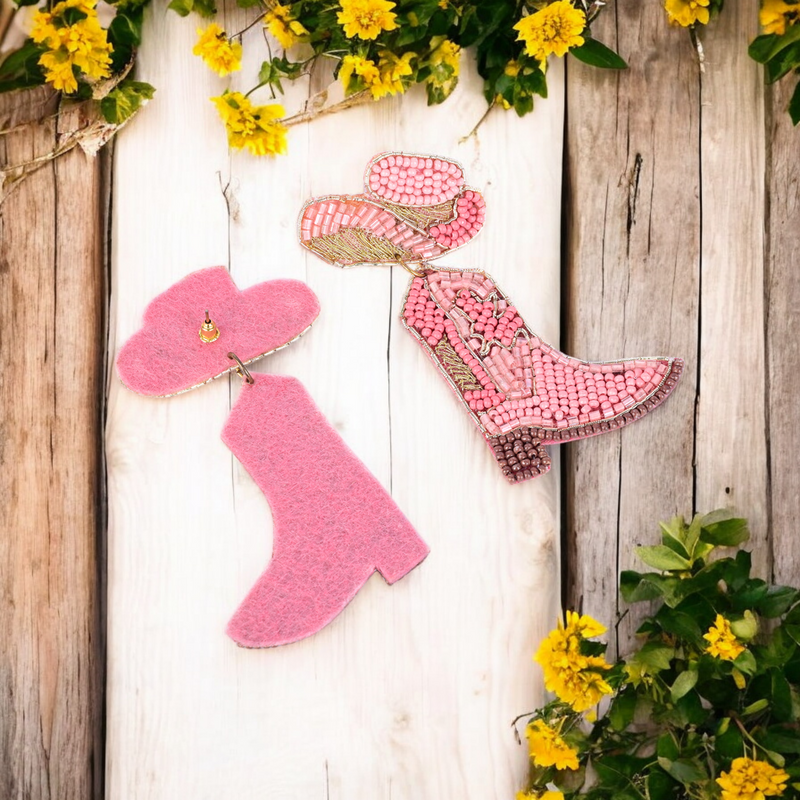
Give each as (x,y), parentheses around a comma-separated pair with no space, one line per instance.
(519,391)
(333,523)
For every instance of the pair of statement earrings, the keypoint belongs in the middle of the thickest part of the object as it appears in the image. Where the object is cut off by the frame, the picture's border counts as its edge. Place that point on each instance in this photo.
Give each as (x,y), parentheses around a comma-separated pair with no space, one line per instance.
(519,391)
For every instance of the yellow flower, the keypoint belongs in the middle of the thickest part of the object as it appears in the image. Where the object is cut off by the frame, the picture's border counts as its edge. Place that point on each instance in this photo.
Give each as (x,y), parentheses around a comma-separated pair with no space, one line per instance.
(554,29)
(548,749)
(392,70)
(722,643)
(752,780)
(576,679)
(687,12)
(280,23)
(363,68)
(366,18)
(82,44)
(449,54)
(58,71)
(775,15)
(256,128)
(220,54)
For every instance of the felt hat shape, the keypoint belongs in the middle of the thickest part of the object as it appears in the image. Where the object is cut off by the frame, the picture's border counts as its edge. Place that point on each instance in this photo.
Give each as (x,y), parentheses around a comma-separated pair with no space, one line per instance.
(333,522)
(167,356)
(414,208)
(520,391)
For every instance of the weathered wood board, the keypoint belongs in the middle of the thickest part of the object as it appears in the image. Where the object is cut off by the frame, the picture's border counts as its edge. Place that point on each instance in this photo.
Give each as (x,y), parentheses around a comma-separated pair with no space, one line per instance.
(52,288)
(411,691)
(782,311)
(666,253)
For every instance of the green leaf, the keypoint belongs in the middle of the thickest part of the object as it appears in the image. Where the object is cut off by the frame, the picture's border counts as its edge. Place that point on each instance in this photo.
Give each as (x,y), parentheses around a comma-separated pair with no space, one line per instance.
(794,103)
(746,663)
(760,46)
(122,102)
(662,557)
(684,770)
(764,48)
(784,62)
(633,589)
(596,54)
(722,529)
(692,534)
(781,704)
(22,3)
(729,744)
(622,710)
(667,747)
(778,601)
(655,655)
(126,28)
(689,710)
(205,8)
(182,7)
(754,708)
(673,535)
(660,786)
(781,739)
(73,15)
(750,594)
(684,683)
(616,771)
(21,68)
(681,624)
(745,628)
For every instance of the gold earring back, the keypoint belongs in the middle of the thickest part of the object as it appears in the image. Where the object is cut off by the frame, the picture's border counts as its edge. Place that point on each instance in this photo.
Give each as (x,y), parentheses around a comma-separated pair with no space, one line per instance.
(209,332)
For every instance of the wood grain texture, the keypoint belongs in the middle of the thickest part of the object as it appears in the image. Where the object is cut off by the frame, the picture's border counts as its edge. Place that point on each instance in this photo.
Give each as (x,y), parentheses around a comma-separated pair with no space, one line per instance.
(782,297)
(51,304)
(731,452)
(632,288)
(410,692)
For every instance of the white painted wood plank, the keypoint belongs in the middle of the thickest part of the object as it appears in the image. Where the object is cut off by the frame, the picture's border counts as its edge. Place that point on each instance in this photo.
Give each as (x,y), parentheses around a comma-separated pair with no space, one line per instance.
(410,692)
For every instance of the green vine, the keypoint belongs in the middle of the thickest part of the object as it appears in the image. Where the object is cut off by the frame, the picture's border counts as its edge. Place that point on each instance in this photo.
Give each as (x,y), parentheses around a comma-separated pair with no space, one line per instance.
(705,707)
(378,48)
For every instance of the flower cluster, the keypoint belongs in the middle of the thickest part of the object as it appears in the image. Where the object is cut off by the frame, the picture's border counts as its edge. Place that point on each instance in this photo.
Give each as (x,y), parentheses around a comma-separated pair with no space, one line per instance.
(704,707)
(214,47)
(548,749)
(778,15)
(253,128)
(722,643)
(687,13)
(283,26)
(380,48)
(575,677)
(749,778)
(76,44)
(553,30)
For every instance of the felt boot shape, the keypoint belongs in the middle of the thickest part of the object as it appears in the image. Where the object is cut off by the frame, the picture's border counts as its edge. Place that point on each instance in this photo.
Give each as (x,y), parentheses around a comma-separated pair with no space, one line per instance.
(519,391)
(333,523)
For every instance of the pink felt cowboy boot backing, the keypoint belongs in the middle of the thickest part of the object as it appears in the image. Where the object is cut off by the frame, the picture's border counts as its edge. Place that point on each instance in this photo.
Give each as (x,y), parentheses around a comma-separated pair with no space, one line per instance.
(334,524)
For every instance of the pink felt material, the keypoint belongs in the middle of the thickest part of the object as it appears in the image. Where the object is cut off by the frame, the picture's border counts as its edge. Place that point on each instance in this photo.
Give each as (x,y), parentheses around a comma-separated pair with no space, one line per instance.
(166,356)
(334,524)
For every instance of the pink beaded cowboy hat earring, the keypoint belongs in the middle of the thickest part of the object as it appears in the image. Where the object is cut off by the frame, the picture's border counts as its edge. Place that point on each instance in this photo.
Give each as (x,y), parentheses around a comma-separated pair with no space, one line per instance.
(333,523)
(519,391)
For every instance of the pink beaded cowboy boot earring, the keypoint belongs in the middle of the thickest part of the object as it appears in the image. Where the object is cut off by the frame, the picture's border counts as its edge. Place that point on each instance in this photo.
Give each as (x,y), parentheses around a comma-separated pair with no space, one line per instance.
(334,524)
(518,390)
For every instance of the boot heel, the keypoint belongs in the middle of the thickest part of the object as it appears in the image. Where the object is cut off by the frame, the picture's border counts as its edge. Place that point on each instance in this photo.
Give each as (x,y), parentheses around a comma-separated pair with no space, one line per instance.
(399,558)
